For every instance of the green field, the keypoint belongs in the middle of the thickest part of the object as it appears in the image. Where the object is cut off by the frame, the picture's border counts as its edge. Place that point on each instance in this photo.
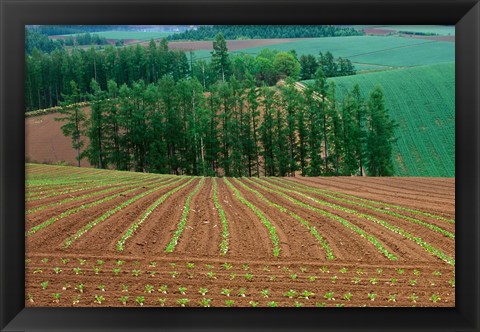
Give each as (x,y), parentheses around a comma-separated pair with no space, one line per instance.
(139,35)
(366,51)
(422,102)
(436,29)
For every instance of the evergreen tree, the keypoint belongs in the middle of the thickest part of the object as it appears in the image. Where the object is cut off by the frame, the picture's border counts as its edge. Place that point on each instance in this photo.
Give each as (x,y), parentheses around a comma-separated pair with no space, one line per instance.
(220,57)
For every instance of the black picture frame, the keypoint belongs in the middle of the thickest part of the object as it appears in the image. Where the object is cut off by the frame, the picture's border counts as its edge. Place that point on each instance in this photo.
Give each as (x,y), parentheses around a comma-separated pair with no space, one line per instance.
(16,14)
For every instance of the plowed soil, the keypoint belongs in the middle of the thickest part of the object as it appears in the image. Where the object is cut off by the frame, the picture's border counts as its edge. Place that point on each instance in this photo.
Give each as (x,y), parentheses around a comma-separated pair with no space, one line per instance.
(249,274)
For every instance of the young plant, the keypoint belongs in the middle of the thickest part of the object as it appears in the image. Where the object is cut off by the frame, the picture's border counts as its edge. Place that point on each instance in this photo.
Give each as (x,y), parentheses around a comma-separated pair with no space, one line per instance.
(413,297)
(66,286)
(248,276)
(120,262)
(77,270)
(99,299)
(140,300)
(116,271)
(45,260)
(152,273)
(99,262)
(163,289)
(227,266)
(320,304)
(226,291)
(123,299)
(272,278)
(290,294)
(400,271)
(253,304)
(37,271)
(57,270)
(329,296)
(373,281)
(203,291)
(173,265)
(82,261)
(136,272)
(101,287)
(56,297)
(190,265)
(229,303)
(149,288)
(303,269)
(437,273)
(124,288)
(44,284)
(416,272)
(65,260)
(183,302)
(347,296)
(182,290)
(343,270)
(312,278)
(152,264)
(372,296)
(339,305)
(393,281)
(245,267)
(232,276)
(205,302)
(272,304)
(324,269)
(293,276)
(80,287)
(76,299)
(97,269)
(334,279)
(265,292)
(297,304)
(452,282)
(174,274)
(413,282)
(162,301)
(242,292)
(306,295)
(356,280)
(211,275)
(209,266)
(435,298)
(392,298)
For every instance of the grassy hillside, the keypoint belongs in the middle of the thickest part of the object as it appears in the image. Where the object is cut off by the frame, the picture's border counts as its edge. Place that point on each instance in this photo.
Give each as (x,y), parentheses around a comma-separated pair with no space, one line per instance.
(422,101)
(366,51)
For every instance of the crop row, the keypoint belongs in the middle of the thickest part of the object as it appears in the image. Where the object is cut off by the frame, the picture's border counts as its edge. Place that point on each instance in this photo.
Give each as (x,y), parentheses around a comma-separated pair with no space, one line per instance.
(223,218)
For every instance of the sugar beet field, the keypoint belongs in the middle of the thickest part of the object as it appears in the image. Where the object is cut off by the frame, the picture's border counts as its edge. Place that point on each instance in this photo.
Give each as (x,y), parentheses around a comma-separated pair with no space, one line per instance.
(109,238)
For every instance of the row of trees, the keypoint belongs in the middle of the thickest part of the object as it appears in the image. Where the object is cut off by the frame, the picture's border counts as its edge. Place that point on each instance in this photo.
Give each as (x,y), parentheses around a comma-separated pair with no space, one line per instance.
(265,31)
(48,75)
(234,129)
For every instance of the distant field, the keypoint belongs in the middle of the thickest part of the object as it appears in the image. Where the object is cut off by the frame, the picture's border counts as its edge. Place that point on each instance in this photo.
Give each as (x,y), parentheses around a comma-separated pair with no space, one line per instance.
(436,29)
(422,101)
(367,50)
(138,35)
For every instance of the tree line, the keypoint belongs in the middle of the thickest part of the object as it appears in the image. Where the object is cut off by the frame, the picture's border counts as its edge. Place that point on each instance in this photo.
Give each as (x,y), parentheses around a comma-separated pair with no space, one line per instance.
(48,74)
(265,32)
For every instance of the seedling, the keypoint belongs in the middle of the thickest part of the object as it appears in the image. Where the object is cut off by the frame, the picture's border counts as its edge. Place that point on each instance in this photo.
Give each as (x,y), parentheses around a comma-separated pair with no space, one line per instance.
(205,302)
(203,291)
(100,262)
(57,270)
(209,266)
(232,276)
(45,260)
(124,288)
(392,298)
(266,268)
(400,271)
(437,273)
(413,282)
(306,295)
(162,301)
(183,302)
(80,287)
(190,275)
(44,284)
(272,304)
(253,304)
(329,296)
(226,291)
(227,266)
(286,269)
(66,286)
(182,290)
(297,304)
(173,274)
(379,271)
(229,303)
(356,280)
(272,278)
(140,300)
(27,261)
(37,271)
(211,275)
(152,264)
(413,297)
(265,292)
(452,282)
(99,299)
(245,267)
(416,272)
(343,270)
(303,269)
(163,289)
(65,260)
(347,296)
(324,269)
(120,262)
(76,299)
(173,265)
(82,261)
(152,273)
(116,271)
(339,305)
(312,278)
(248,276)
(123,299)
(360,271)
(242,292)
(190,265)
(136,263)
(77,270)
(97,270)
(293,276)
(320,304)
(373,281)
(101,287)
(393,281)
(136,272)
(435,298)
(334,279)
(290,294)
(56,297)
(372,296)
(149,288)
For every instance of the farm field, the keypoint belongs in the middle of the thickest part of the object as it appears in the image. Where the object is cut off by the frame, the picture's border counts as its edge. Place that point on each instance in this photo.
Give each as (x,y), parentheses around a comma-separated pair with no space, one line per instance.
(109,238)
(135,35)
(366,50)
(422,101)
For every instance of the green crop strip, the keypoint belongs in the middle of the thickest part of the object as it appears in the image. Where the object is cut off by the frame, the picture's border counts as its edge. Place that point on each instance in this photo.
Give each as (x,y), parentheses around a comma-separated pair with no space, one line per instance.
(221,212)
(305,223)
(313,189)
(68,242)
(130,231)
(271,229)
(183,221)
(404,217)
(73,199)
(344,222)
(385,224)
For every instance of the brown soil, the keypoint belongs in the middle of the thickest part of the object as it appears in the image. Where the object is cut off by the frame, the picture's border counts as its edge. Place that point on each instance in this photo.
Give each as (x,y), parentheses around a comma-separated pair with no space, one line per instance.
(358,268)
(232,45)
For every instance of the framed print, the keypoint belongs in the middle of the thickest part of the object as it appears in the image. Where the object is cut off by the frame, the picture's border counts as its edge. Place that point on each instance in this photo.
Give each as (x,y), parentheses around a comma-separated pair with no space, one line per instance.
(219,165)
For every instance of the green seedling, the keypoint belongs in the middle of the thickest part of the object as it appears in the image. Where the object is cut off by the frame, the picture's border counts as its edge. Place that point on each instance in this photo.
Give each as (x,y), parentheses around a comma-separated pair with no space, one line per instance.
(123,299)
(265,292)
(140,300)
(253,304)
(290,294)
(203,291)
(149,288)
(44,284)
